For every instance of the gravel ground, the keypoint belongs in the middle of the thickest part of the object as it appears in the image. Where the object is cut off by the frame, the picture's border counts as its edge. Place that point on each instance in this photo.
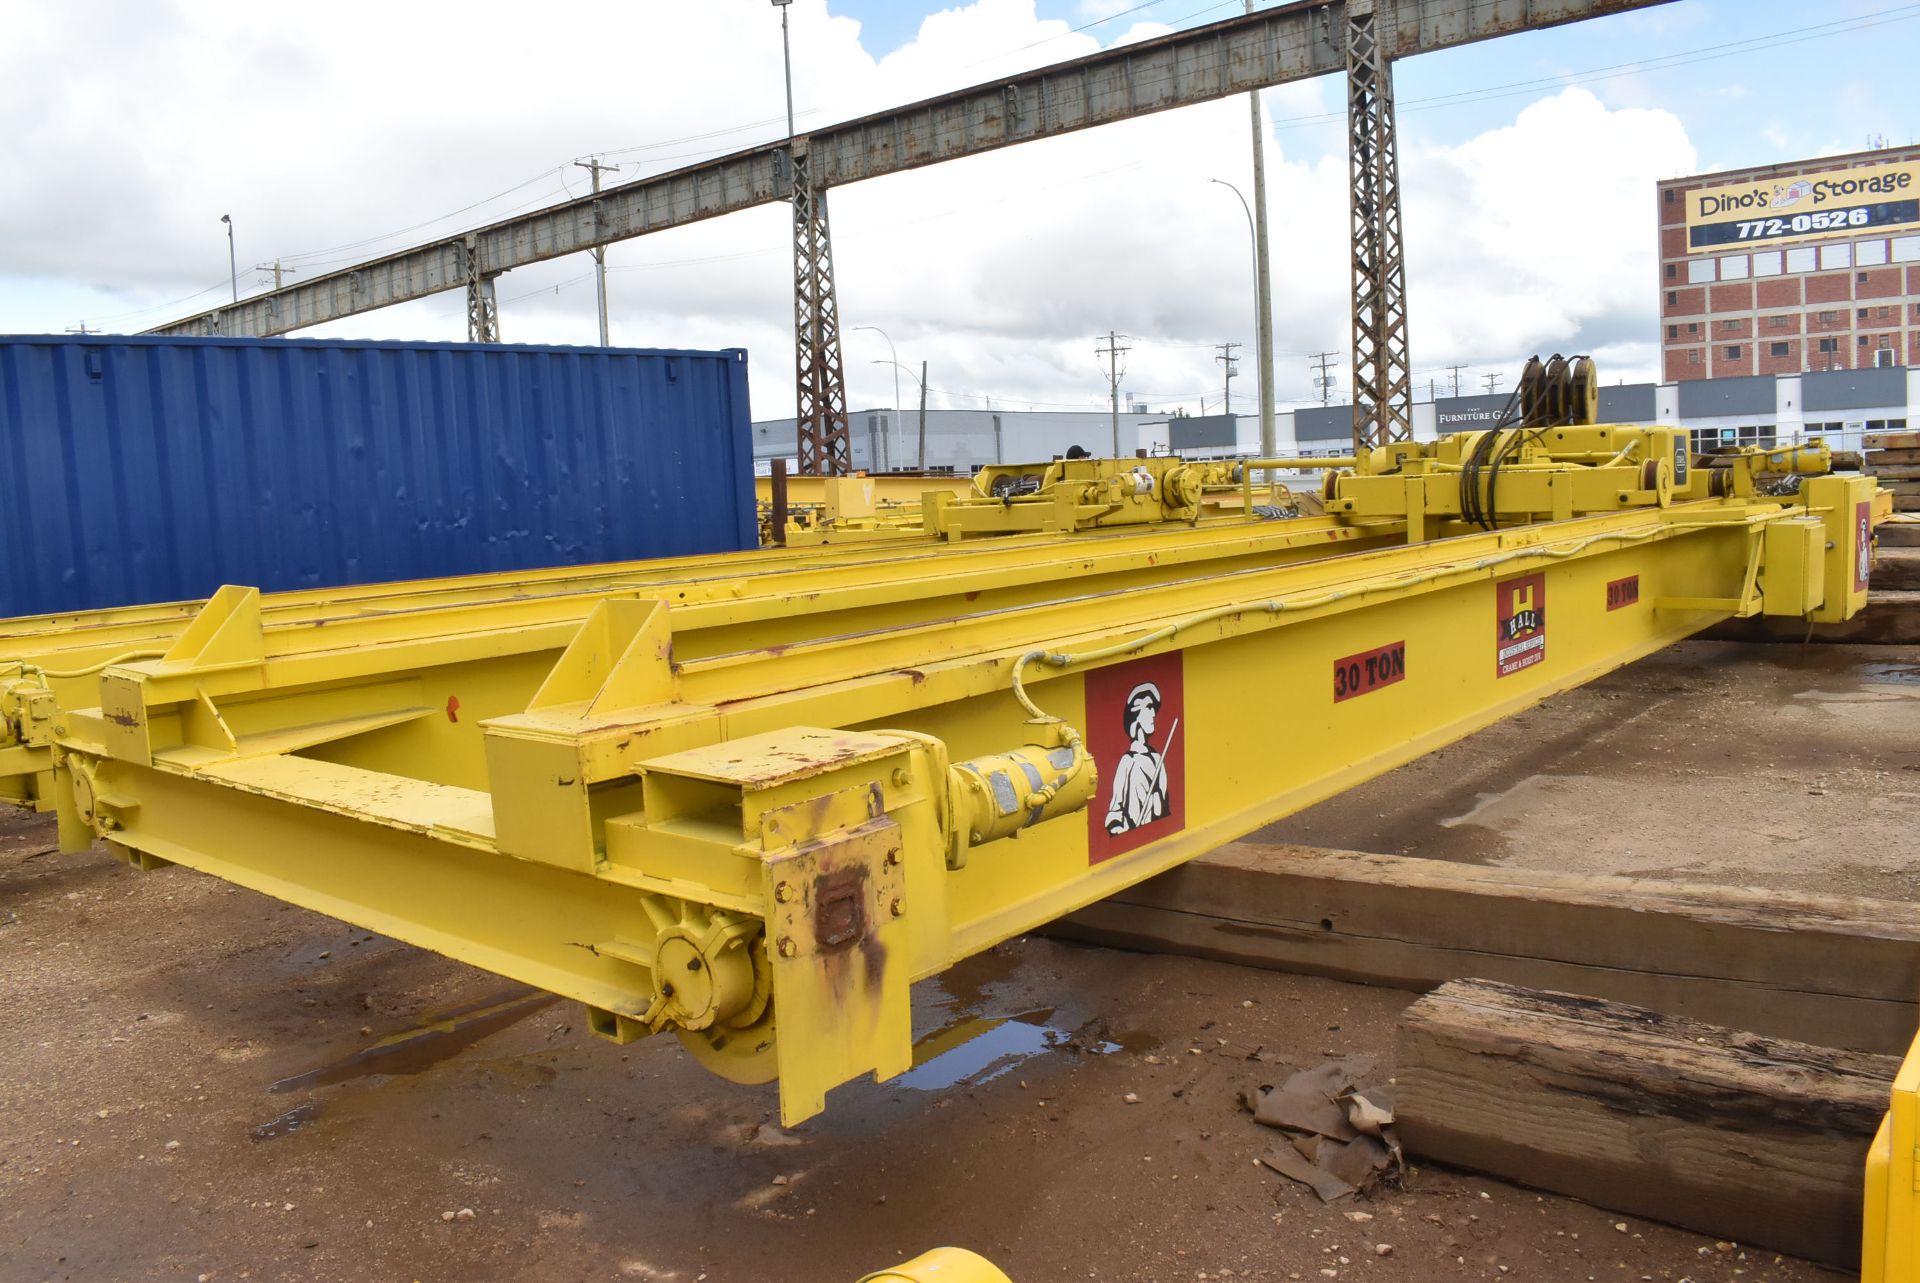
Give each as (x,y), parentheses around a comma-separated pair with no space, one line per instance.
(187,1089)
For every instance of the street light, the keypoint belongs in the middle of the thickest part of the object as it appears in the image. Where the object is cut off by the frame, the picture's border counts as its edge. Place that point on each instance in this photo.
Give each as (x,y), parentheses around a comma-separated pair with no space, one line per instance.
(786,56)
(233,264)
(897,367)
(896,374)
(1259,321)
(896,362)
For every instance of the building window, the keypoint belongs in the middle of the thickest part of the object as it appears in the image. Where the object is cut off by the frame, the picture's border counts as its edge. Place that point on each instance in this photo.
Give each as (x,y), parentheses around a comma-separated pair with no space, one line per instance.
(1859,278)
(1693,327)
(1693,357)
(1862,315)
(1767,264)
(1673,271)
(1800,260)
(1673,297)
(1869,253)
(1906,249)
(1836,256)
(1699,270)
(1863,340)
(1778,349)
(1668,194)
(1728,327)
(1827,318)
(1733,352)
(1706,440)
(1829,345)
(1673,331)
(1733,267)
(1779,322)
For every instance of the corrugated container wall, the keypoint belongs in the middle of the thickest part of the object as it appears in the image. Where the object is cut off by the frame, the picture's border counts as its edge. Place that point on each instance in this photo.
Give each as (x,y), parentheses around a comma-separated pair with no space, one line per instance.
(156,469)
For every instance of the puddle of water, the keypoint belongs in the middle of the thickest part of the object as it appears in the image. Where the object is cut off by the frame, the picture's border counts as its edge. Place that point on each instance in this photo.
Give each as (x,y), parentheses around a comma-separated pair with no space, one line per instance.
(416,1050)
(288,1123)
(1901,674)
(978,1049)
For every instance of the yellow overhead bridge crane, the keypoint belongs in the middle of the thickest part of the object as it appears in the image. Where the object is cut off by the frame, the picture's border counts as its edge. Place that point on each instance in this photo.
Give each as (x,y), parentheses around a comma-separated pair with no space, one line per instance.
(750,799)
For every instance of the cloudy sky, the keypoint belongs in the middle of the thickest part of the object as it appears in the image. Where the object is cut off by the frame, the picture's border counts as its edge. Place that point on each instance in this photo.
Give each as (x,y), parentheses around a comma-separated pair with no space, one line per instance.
(1528,165)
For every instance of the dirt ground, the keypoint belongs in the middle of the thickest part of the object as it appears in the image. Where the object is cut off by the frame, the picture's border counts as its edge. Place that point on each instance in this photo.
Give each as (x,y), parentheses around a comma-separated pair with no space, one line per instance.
(1782,766)
(197,1082)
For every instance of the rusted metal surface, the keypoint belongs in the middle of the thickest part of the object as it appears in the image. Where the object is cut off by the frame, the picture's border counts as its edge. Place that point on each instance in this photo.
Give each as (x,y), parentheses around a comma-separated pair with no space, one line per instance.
(1382,393)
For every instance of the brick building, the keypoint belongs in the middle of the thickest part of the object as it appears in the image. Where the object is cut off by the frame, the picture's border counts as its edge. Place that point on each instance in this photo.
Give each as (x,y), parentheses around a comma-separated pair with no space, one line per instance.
(1792,269)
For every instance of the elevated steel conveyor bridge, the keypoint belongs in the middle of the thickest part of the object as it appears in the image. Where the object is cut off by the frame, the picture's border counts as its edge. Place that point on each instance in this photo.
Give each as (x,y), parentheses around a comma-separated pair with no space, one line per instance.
(1234,56)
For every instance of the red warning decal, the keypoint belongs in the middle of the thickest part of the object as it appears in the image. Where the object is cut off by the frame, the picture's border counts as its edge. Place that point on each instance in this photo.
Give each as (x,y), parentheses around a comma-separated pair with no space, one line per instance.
(1134,731)
(1369,671)
(1521,638)
(1623,592)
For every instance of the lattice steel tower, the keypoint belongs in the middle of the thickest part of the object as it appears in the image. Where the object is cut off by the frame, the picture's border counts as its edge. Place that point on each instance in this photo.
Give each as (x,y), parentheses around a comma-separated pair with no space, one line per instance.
(820,384)
(1382,391)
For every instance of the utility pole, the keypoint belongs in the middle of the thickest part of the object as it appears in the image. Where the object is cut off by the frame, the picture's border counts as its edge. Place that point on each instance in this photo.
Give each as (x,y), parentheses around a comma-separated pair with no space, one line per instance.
(923,415)
(1492,380)
(277,270)
(1322,379)
(1113,352)
(1455,369)
(233,264)
(594,167)
(1263,334)
(1228,362)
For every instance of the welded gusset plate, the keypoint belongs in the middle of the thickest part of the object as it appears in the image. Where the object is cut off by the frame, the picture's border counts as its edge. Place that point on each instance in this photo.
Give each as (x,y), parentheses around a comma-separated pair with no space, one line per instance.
(837,937)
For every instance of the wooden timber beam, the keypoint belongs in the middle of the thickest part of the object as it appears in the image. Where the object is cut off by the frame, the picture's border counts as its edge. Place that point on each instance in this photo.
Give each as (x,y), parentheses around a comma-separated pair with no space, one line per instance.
(1762,1141)
(1268,47)
(1836,971)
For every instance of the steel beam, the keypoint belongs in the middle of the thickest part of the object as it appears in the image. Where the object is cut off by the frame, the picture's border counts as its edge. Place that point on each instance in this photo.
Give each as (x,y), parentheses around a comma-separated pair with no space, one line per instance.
(483,309)
(1382,391)
(1234,56)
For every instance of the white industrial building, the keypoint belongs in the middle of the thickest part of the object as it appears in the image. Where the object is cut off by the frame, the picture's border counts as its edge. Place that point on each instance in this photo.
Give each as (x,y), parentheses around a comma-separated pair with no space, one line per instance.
(1839,406)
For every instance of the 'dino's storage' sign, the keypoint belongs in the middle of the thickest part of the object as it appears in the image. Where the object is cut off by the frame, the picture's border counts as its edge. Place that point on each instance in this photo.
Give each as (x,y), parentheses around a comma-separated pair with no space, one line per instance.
(1841,202)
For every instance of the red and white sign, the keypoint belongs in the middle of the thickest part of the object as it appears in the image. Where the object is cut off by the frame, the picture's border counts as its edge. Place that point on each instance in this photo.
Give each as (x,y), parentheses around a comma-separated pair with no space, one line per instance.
(1521,614)
(1369,671)
(1623,592)
(1134,730)
(1863,545)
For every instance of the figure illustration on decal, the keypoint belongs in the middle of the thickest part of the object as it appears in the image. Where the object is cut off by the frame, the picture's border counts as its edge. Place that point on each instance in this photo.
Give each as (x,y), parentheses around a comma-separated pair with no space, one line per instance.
(1140,780)
(1136,732)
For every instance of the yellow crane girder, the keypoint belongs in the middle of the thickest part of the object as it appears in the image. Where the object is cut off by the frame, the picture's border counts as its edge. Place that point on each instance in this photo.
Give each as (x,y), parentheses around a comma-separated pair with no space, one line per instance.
(752,809)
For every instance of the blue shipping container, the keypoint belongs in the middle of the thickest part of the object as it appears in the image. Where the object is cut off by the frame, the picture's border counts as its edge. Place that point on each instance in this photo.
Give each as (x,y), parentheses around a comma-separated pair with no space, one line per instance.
(156,469)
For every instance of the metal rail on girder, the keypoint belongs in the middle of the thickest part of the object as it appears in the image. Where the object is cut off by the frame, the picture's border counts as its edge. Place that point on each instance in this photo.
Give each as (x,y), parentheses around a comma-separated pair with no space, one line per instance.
(1233,56)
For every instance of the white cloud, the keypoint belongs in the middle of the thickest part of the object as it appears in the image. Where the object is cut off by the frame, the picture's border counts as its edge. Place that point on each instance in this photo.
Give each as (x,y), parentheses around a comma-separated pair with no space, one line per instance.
(998,271)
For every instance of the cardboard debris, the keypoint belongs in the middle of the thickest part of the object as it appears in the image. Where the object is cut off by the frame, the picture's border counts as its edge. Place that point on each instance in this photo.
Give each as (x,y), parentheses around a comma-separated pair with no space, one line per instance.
(1341,1138)
(1301,1109)
(1324,1183)
(1370,1111)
